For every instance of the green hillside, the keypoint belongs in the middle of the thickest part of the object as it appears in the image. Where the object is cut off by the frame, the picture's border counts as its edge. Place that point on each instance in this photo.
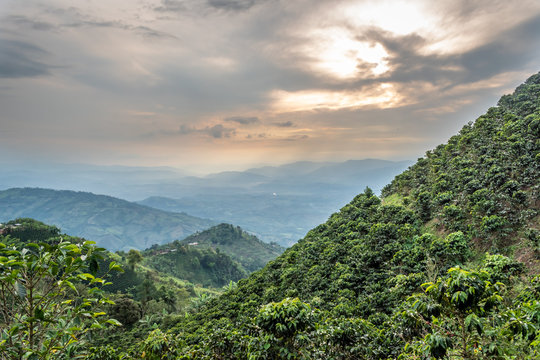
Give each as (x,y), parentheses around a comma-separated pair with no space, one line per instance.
(242,247)
(112,223)
(213,257)
(471,203)
(206,266)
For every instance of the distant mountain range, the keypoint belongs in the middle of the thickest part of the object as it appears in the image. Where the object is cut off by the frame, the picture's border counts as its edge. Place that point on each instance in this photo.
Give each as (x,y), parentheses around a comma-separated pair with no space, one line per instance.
(113,223)
(137,183)
(275,203)
(281,203)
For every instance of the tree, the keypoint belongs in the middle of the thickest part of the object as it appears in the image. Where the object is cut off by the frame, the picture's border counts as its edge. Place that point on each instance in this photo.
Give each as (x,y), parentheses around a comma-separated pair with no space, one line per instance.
(43,314)
(465,316)
(126,310)
(134,257)
(282,324)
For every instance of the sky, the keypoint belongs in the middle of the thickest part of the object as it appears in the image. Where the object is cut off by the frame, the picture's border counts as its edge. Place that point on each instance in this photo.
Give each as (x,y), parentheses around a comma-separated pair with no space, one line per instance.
(213,85)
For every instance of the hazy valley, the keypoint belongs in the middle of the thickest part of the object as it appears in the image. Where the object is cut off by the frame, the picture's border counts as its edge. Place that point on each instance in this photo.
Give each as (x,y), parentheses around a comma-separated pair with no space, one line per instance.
(277,204)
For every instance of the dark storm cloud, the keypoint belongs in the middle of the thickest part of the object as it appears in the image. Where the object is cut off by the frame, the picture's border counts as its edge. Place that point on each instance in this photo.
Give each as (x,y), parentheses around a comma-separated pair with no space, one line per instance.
(18,59)
(243,120)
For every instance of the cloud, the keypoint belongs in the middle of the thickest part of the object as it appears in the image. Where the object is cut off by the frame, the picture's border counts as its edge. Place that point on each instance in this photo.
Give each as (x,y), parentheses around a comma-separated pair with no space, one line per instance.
(243,120)
(382,96)
(141,30)
(302,67)
(32,23)
(17,60)
(232,5)
(78,20)
(284,124)
(216,131)
(171,6)
(408,60)
(296,138)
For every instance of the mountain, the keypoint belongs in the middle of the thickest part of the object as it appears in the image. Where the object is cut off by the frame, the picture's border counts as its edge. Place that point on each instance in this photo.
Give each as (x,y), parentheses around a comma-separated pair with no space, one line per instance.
(443,265)
(281,204)
(200,265)
(213,257)
(136,183)
(242,247)
(297,168)
(112,223)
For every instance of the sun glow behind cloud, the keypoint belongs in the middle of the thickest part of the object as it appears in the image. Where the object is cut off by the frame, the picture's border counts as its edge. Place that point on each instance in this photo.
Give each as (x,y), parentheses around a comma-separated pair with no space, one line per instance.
(336,52)
(381,96)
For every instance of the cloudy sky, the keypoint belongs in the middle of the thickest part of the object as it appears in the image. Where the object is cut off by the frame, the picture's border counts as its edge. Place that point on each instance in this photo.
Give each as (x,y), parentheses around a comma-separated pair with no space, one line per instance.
(210,85)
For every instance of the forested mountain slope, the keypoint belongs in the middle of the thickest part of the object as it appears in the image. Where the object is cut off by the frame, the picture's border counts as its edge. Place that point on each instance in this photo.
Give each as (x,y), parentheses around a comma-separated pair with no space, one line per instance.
(213,257)
(110,222)
(245,248)
(206,266)
(472,203)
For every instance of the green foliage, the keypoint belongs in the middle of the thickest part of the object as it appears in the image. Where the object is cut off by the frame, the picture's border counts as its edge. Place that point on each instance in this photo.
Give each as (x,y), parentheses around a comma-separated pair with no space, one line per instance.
(467,315)
(159,346)
(285,318)
(452,250)
(134,257)
(126,310)
(26,230)
(105,353)
(484,180)
(49,298)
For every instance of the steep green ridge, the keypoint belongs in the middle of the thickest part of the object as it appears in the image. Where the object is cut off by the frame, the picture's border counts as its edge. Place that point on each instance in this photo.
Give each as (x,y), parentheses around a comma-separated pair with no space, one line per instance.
(477,193)
(242,247)
(112,223)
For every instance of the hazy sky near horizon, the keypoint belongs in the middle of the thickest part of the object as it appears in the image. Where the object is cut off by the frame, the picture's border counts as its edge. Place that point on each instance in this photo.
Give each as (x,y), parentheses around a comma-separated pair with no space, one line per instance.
(211,85)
